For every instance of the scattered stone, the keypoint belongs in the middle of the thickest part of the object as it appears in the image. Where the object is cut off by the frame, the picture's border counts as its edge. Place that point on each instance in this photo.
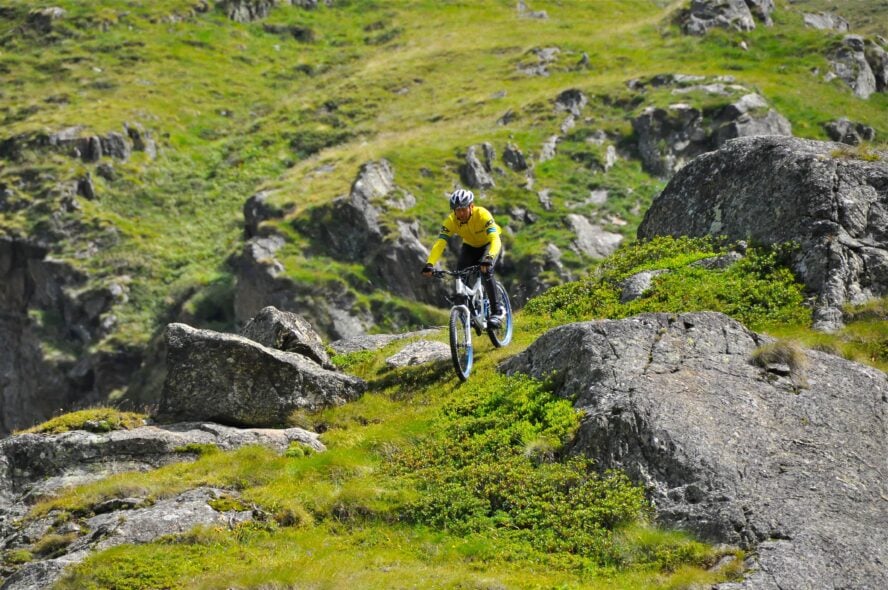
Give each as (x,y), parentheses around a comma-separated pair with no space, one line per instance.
(727,14)
(524,11)
(638,284)
(718,262)
(545,56)
(571,101)
(826,21)
(419,353)
(375,341)
(849,132)
(548,150)
(849,63)
(41,20)
(475,173)
(591,240)
(514,158)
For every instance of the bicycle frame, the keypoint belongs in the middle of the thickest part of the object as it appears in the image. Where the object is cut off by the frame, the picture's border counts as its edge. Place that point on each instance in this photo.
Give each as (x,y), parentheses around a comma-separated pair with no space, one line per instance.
(470,309)
(471,298)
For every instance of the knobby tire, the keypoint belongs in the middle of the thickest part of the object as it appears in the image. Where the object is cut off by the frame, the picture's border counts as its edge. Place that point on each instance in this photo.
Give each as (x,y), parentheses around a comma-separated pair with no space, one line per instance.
(461,342)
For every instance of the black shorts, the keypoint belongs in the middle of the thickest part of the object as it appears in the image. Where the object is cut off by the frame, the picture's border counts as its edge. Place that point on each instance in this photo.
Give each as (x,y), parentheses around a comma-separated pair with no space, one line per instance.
(470,256)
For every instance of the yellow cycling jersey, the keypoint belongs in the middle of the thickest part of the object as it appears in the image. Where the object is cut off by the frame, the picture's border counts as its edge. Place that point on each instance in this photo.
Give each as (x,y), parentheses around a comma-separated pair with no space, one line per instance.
(478,231)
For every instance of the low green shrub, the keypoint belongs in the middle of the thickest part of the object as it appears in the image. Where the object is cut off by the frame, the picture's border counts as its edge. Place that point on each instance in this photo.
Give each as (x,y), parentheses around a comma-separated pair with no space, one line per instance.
(758,290)
(474,474)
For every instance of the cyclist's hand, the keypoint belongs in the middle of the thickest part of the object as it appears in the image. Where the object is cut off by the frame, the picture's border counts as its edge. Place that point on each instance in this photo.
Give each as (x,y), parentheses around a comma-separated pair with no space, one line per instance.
(486,263)
(427,270)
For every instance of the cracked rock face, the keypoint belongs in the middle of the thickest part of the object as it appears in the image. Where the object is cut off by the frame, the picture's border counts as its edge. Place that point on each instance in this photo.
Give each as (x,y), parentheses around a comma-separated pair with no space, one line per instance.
(786,461)
(773,190)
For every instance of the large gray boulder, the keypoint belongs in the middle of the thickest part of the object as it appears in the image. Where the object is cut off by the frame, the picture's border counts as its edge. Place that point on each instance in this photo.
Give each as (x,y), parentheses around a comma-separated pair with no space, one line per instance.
(774,190)
(232,380)
(784,456)
(289,332)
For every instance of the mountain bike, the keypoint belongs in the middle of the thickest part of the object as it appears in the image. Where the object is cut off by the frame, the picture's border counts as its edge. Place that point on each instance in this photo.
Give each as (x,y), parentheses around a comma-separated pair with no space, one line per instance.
(471,310)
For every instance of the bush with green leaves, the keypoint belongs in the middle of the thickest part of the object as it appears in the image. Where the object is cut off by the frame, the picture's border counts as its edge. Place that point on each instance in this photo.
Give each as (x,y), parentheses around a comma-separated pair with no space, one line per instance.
(474,476)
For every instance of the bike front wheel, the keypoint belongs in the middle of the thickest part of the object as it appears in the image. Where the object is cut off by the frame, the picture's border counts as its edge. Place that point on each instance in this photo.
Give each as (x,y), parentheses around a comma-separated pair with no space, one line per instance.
(502,335)
(461,341)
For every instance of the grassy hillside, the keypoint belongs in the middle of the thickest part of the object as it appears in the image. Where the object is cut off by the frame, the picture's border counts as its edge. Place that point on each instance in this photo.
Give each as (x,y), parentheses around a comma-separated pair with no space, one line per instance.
(298,101)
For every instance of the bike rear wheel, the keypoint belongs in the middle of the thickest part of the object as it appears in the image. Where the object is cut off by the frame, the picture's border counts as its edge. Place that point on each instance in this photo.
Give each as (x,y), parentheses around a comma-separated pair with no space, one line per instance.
(502,335)
(461,342)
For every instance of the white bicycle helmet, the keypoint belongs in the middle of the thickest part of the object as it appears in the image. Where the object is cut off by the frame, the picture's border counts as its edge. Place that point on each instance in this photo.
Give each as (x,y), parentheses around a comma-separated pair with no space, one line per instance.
(461,198)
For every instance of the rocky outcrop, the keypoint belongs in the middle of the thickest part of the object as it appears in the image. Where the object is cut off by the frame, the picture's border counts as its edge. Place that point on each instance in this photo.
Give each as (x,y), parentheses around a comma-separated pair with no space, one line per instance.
(245,11)
(50,316)
(738,15)
(361,227)
(123,521)
(288,332)
(232,380)
(849,63)
(258,210)
(262,279)
(783,454)
(476,173)
(75,143)
(670,137)
(779,189)
(33,466)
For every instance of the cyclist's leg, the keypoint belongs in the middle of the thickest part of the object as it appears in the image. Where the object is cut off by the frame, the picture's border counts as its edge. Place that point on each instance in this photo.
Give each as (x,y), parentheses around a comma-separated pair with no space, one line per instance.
(487,280)
(469,256)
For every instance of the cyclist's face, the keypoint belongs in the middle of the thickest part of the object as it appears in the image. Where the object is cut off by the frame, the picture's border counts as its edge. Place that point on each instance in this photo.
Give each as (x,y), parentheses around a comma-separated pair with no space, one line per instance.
(463,213)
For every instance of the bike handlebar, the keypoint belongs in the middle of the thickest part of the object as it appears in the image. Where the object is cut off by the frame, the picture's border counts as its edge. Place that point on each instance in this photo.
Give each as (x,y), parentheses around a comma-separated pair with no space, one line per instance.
(440,274)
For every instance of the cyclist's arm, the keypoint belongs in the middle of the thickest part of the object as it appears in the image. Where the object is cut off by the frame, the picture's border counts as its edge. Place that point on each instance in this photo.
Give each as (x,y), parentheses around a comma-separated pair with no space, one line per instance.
(493,236)
(441,243)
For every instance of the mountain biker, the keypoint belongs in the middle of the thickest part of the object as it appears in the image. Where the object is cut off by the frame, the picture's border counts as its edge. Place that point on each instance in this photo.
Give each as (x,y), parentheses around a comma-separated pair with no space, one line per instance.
(481,245)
